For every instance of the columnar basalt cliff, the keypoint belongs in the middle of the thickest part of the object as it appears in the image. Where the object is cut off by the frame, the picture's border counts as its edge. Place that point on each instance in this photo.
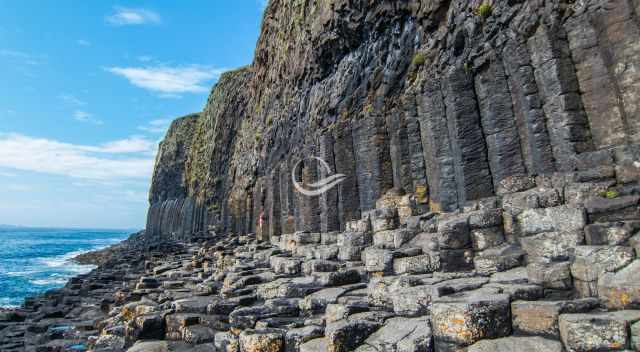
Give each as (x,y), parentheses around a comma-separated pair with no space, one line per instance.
(451,101)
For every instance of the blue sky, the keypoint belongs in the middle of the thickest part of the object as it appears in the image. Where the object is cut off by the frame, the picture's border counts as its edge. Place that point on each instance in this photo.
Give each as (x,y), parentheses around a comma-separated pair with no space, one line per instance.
(87,89)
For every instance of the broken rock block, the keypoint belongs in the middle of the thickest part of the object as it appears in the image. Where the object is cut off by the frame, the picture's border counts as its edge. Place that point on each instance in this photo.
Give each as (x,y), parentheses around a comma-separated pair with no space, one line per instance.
(607,210)
(602,331)
(262,340)
(552,246)
(420,264)
(296,337)
(383,219)
(226,342)
(621,289)
(454,232)
(462,319)
(550,275)
(393,239)
(287,288)
(591,260)
(198,334)
(498,259)
(485,238)
(400,334)
(561,218)
(611,233)
(346,335)
(456,260)
(519,344)
(541,317)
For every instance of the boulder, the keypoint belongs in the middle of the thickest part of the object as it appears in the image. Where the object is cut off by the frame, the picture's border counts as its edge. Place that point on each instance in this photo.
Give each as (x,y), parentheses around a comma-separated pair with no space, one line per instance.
(346,335)
(520,344)
(400,334)
(541,317)
(621,289)
(597,331)
(271,340)
(462,319)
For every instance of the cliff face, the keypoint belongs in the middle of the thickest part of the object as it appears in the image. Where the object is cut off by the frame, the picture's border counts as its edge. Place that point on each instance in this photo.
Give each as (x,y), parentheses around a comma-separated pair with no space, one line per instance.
(452,101)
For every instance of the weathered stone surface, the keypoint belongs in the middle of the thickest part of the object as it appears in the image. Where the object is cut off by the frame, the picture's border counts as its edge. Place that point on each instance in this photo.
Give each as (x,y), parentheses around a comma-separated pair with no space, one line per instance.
(563,218)
(541,317)
(261,340)
(524,344)
(592,261)
(597,331)
(607,210)
(551,275)
(343,336)
(552,246)
(420,264)
(294,338)
(400,334)
(622,289)
(464,319)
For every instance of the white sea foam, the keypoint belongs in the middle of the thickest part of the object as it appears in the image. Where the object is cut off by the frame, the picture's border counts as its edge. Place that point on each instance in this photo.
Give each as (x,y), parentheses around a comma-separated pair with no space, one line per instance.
(51,281)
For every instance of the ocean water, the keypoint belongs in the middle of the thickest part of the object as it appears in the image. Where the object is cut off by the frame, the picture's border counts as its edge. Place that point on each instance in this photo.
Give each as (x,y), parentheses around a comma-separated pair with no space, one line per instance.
(33,261)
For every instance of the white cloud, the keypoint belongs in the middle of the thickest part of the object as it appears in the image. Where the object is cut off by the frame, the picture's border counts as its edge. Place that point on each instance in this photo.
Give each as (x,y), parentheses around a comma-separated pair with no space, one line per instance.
(169,80)
(145,58)
(83,116)
(71,99)
(83,42)
(22,57)
(156,126)
(7,174)
(123,159)
(124,16)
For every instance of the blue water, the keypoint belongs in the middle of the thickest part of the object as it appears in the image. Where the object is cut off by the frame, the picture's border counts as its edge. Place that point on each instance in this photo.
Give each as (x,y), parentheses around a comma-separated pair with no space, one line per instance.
(33,261)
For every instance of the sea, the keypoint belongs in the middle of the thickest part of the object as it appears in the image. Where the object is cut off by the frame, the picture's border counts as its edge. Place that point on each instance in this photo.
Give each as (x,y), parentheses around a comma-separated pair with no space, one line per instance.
(34,260)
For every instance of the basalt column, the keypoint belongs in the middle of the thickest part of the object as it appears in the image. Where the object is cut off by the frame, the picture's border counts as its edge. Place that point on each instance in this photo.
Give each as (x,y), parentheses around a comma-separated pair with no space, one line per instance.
(473,176)
(329,217)
(273,189)
(436,144)
(498,122)
(286,199)
(344,156)
(416,154)
(527,107)
(399,150)
(373,161)
(555,75)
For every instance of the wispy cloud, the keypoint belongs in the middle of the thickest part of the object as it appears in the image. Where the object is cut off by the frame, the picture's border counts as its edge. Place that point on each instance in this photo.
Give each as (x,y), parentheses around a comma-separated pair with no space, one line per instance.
(83,116)
(156,126)
(145,58)
(83,42)
(121,159)
(71,99)
(169,80)
(7,174)
(22,57)
(124,16)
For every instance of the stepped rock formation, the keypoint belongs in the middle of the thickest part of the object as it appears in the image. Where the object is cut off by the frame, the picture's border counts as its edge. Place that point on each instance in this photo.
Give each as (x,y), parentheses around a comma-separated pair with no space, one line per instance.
(447,100)
(491,199)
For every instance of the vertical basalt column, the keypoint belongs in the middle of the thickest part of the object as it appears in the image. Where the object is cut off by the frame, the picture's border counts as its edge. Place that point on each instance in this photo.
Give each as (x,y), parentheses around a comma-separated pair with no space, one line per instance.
(274,203)
(348,194)
(373,161)
(436,144)
(249,219)
(286,199)
(601,101)
(473,176)
(527,107)
(416,154)
(258,222)
(619,29)
(399,151)
(310,206)
(498,122)
(556,78)
(298,198)
(329,219)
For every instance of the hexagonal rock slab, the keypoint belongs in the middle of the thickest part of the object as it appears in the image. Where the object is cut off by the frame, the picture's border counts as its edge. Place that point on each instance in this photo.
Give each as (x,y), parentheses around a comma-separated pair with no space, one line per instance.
(622,289)
(346,335)
(462,319)
(541,317)
(262,340)
(520,344)
(400,334)
(607,331)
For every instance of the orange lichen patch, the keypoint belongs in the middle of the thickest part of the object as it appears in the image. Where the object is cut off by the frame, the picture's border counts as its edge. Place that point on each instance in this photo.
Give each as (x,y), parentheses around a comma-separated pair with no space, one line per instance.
(624,299)
(435,207)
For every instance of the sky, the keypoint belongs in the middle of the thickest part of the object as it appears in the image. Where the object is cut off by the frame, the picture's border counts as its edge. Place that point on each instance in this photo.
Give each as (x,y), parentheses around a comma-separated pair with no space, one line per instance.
(88,89)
